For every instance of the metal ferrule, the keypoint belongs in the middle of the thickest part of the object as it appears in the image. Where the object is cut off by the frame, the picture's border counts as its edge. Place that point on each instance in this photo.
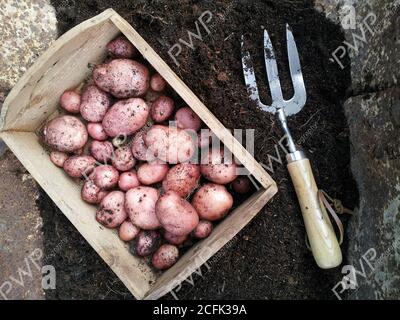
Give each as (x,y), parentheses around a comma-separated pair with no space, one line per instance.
(295,156)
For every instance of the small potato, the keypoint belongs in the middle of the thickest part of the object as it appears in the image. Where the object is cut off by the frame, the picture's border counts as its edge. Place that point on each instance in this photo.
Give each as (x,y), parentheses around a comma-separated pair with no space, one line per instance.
(121,47)
(182,178)
(203,229)
(174,239)
(102,151)
(126,117)
(58,158)
(216,168)
(128,180)
(170,144)
(175,214)
(123,159)
(65,134)
(146,242)
(90,192)
(105,177)
(139,149)
(79,166)
(128,231)
(95,103)
(212,201)
(241,184)
(165,257)
(186,119)
(123,78)
(96,131)
(112,212)
(140,206)
(70,101)
(157,83)
(150,173)
(162,108)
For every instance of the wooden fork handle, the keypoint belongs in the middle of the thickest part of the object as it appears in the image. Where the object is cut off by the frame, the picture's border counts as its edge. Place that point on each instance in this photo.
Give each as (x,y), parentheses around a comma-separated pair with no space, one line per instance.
(321,235)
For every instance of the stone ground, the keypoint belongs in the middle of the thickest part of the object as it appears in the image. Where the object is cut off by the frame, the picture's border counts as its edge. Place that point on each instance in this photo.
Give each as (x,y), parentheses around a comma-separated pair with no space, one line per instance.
(373,114)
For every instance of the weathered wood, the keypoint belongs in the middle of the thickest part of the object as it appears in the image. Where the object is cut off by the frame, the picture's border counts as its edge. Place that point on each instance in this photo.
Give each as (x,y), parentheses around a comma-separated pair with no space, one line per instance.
(35,98)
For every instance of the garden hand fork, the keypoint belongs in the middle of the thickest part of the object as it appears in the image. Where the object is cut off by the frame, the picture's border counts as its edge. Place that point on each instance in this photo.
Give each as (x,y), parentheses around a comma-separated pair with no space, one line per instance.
(321,235)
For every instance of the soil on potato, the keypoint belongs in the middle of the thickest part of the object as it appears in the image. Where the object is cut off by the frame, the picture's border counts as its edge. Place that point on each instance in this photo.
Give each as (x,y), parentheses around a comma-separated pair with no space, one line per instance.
(268,259)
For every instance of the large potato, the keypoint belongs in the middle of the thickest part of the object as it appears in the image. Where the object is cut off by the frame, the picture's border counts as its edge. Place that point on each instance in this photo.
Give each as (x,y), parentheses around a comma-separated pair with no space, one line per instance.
(175,214)
(123,159)
(70,101)
(162,108)
(150,173)
(105,176)
(121,47)
(218,168)
(146,242)
(126,117)
(186,119)
(102,151)
(140,206)
(139,149)
(183,178)
(58,158)
(128,231)
(79,166)
(123,78)
(95,103)
(128,180)
(212,201)
(112,212)
(165,257)
(65,134)
(170,144)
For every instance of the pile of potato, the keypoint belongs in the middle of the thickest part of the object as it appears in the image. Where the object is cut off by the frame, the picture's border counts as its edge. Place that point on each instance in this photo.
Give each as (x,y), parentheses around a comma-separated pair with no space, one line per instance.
(115,136)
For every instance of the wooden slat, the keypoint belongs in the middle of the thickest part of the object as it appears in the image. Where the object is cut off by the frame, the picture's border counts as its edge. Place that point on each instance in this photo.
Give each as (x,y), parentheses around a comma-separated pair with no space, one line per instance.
(133,271)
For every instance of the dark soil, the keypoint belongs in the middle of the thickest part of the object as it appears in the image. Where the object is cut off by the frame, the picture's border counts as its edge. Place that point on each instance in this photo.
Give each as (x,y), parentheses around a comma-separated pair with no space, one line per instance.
(268,259)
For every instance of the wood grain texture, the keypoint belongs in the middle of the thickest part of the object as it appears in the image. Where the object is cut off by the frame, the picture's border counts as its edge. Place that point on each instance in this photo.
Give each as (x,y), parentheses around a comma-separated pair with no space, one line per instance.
(322,238)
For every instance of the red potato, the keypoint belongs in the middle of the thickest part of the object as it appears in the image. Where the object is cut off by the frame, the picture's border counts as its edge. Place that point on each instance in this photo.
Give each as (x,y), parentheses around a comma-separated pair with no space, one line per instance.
(212,201)
(174,239)
(241,184)
(102,151)
(162,108)
(203,229)
(170,144)
(79,166)
(128,180)
(95,103)
(140,206)
(128,231)
(175,214)
(105,176)
(90,192)
(70,101)
(150,173)
(58,158)
(112,212)
(186,119)
(123,159)
(126,117)
(182,178)
(139,149)
(123,78)
(96,131)
(157,83)
(165,257)
(216,168)
(146,242)
(65,134)
(121,47)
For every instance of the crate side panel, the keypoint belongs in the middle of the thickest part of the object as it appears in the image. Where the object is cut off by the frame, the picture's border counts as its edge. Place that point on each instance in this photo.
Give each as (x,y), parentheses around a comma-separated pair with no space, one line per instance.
(65,193)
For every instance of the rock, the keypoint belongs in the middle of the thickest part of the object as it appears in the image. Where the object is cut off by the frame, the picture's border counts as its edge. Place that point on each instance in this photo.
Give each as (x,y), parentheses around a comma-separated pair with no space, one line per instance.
(375,228)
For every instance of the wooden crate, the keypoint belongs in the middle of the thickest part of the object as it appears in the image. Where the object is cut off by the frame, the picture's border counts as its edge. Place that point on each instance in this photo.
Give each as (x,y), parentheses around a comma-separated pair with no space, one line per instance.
(65,65)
